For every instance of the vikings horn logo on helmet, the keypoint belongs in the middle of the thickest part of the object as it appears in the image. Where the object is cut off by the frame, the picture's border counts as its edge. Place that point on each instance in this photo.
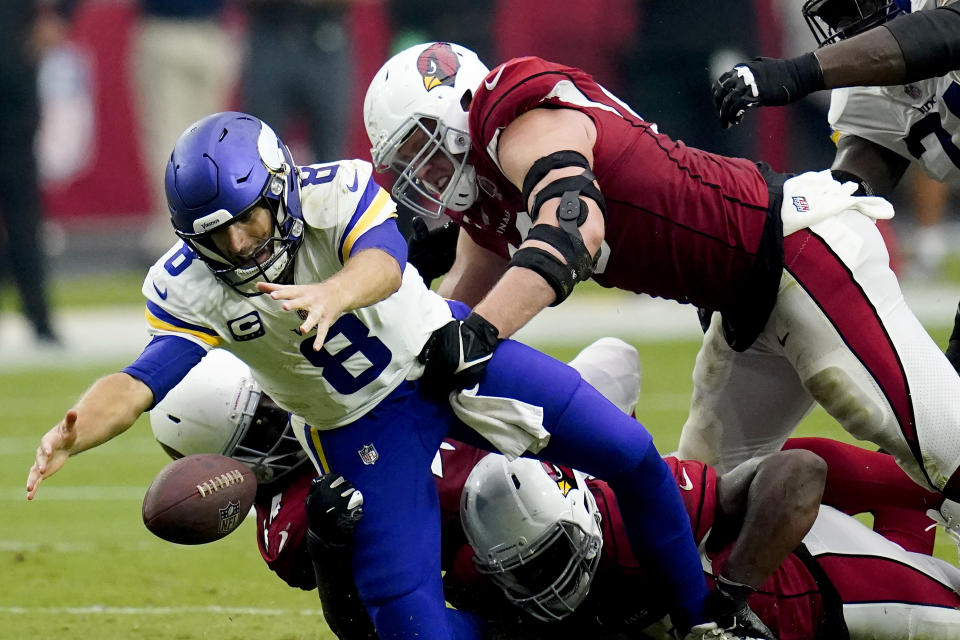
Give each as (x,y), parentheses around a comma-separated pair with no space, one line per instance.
(438,64)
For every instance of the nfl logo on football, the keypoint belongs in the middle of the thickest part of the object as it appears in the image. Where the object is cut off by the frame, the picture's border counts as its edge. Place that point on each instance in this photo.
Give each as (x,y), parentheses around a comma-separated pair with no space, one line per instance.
(229,517)
(801,204)
(369,454)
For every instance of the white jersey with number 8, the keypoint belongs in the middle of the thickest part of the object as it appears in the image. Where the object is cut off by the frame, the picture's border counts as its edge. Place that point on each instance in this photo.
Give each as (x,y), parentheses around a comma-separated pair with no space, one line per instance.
(368,352)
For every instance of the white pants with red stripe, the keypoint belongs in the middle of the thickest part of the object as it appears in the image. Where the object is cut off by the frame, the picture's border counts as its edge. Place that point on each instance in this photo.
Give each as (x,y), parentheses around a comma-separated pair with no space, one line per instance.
(842,335)
(887,593)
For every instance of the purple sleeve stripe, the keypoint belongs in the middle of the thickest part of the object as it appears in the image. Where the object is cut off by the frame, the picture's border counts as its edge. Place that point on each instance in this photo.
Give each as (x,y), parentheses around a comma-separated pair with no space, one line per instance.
(386,237)
(160,314)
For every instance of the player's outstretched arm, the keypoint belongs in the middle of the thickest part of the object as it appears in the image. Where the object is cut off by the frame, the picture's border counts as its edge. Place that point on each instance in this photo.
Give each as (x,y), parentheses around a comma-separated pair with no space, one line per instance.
(106,410)
(548,155)
(773,501)
(765,507)
(911,47)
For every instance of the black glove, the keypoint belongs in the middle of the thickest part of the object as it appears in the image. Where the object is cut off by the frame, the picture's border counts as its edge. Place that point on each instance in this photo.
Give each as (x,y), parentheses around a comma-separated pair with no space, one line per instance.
(727,606)
(456,355)
(334,507)
(432,251)
(768,82)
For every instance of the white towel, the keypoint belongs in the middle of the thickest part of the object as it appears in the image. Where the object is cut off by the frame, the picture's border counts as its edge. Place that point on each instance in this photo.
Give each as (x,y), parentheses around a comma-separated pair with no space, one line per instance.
(510,425)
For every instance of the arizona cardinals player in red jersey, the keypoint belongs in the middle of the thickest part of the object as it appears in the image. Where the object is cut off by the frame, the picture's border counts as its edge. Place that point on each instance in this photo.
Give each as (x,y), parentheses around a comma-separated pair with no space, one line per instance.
(554,180)
(858,481)
(840,578)
(843,581)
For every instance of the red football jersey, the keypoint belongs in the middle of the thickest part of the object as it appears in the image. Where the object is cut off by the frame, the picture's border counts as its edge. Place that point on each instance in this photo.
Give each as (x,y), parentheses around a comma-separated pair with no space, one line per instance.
(622,596)
(704,214)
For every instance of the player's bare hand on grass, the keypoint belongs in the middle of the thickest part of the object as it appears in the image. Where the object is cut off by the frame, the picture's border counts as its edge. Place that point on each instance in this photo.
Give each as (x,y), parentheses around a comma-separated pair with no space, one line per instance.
(320,300)
(54,449)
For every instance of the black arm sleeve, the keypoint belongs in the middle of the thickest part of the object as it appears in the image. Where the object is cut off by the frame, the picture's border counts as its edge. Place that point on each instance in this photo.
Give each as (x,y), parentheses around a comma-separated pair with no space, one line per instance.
(929,40)
(342,609)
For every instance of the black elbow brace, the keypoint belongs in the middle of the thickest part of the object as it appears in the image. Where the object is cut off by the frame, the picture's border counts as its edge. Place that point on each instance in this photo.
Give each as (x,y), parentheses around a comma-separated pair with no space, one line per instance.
(581,184)
(929,41)
(576,264)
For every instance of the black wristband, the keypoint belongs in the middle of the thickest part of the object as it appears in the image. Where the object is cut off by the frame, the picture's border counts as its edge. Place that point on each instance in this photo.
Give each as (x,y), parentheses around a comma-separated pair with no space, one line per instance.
(736,590)
(488,334)
(863,189)
(809,75)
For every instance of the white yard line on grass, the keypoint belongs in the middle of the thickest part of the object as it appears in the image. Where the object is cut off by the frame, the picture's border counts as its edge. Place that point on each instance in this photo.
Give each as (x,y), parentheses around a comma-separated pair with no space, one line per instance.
(163,611)
(76,493)
(29,546)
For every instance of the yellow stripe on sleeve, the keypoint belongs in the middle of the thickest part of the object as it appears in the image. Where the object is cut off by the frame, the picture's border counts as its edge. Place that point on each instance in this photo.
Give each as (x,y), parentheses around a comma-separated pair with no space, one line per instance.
(156,323)
(315,437)
(366,221)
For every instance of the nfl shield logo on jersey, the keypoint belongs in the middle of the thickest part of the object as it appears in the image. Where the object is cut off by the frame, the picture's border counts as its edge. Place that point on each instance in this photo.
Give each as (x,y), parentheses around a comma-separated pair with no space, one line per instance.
(800,203)
(229,517)
(368,453)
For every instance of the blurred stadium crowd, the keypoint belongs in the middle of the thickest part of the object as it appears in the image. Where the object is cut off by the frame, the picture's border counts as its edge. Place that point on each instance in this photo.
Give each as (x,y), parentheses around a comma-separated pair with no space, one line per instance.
(118,80)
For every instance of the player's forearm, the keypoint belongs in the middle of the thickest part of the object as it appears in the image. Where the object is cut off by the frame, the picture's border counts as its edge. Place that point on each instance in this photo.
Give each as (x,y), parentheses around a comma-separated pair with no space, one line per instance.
(518,296)
(783,502)
(872,58)
(913,47)
(878,167)
(367,278)
(109,408)
(342,609)
(474,272)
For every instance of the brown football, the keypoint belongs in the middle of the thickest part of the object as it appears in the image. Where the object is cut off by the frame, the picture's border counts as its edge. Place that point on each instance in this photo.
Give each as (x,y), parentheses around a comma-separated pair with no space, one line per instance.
(199,498)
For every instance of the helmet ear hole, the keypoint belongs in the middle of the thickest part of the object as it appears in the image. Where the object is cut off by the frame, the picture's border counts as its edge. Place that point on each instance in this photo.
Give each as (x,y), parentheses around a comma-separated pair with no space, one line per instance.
(466,99)
(170,451)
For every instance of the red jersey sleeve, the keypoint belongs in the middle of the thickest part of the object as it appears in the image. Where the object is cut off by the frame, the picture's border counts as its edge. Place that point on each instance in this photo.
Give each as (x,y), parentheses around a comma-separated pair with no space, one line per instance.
(708,213)
(282,530)
(698,488)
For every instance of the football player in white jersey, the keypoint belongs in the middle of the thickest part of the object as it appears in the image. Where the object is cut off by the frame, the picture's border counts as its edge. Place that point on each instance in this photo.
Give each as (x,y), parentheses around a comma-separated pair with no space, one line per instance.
(896,97)
(302,274)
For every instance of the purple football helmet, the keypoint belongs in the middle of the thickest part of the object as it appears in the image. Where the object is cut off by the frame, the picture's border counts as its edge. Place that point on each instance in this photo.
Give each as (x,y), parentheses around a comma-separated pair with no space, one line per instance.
(221,167)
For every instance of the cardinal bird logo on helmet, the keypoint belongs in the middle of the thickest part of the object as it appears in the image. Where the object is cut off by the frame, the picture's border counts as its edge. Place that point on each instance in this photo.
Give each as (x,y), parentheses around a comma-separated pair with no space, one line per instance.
(438,64)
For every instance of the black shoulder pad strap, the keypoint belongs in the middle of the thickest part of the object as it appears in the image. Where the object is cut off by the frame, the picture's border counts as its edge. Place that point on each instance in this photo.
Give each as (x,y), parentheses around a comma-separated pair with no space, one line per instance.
(546,164)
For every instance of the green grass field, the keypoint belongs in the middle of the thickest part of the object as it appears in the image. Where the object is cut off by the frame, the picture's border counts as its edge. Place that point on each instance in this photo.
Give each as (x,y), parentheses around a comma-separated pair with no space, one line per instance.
(78,563)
